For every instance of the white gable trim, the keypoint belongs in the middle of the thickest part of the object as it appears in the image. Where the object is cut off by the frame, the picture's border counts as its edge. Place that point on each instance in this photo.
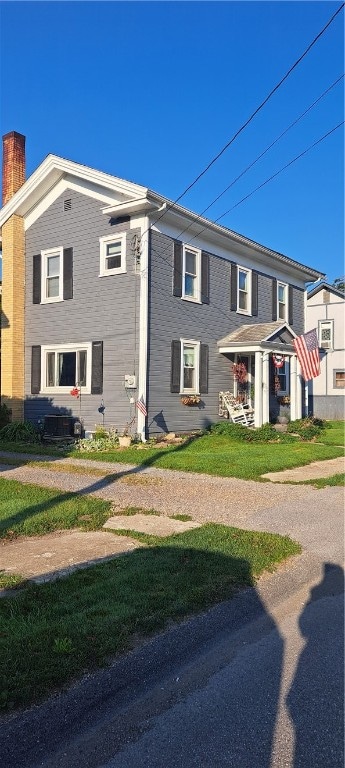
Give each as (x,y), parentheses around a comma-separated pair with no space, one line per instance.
(58,189)
(281,328)
(52,170)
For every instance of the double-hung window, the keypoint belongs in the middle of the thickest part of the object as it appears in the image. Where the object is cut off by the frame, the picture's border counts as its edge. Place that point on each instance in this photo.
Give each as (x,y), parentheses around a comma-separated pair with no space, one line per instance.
(191,273)
(244,291)
(282,301)
(190,356)
(326,334)
(66,366)
(52,275)
(112,254)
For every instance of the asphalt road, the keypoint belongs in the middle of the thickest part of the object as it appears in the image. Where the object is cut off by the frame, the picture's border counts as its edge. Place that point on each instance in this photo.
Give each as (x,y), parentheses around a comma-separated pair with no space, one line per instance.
(254,683)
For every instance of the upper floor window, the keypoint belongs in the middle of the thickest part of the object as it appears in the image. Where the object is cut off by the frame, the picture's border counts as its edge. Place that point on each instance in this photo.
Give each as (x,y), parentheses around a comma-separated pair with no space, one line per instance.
(52,275)
(282,301)
(244,291)
(191,273)
(326,334)
(112,254)
(190,351)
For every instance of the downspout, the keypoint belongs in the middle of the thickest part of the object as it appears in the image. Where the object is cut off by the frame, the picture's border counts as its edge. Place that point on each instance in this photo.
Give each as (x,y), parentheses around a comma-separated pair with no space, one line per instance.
(143,322)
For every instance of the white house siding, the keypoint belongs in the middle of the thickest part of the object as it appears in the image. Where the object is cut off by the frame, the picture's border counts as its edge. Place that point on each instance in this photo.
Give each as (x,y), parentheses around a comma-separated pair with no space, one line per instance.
(325,400)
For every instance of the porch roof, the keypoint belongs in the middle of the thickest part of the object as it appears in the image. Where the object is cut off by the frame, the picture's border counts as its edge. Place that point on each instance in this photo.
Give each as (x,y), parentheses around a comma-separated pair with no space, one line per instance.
(275,336)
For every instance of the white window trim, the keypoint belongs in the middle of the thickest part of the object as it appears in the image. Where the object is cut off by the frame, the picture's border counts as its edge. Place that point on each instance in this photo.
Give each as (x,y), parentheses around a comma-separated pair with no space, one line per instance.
(285,372)
(328,324)
(104,241)
(249,292)
(44,261)
(195,390)
(197,298)
(285,302)
(65,348)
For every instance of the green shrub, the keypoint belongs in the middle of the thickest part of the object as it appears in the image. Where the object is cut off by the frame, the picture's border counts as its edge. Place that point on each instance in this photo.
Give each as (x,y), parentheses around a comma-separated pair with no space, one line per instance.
(306,428)
(20,432)
(5,414)
(233,431)
(264,434)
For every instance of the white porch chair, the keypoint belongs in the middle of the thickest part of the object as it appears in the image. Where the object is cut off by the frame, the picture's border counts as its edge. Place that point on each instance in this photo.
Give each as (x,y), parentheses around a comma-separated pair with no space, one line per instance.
(237,412)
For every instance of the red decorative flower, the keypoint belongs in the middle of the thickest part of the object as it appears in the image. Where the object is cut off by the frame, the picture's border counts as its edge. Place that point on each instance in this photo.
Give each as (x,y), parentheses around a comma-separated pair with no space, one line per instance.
(75,392)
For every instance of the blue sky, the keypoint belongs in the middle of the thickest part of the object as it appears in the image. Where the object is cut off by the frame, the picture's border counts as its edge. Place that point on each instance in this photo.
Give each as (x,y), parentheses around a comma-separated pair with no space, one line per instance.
(151,91)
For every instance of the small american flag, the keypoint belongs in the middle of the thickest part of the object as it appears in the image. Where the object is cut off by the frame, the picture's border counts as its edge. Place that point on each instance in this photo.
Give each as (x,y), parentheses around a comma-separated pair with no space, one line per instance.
(307,350)
(141,405)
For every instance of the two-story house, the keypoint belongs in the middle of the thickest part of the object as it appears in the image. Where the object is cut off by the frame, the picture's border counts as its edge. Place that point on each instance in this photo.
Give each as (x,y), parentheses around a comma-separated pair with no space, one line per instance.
(326,312)
(109,286)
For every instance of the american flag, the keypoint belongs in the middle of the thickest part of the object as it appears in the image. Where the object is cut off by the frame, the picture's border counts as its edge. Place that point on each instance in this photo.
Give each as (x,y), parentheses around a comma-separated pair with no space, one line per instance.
(307,350)
(141,405)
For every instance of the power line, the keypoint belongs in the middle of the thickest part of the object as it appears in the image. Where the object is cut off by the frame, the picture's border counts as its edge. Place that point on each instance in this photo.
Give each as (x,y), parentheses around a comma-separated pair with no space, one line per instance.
(280,171)
(251,165)
(259,187)
(256,111)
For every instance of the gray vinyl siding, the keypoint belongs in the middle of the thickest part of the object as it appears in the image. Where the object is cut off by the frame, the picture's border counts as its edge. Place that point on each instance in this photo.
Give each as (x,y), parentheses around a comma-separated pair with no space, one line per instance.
(102,309)
(171,318)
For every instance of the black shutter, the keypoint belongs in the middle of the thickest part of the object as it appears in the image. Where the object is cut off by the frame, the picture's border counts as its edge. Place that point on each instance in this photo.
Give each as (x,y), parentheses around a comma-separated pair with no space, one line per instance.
(68,273)
(290,318)
(205,278)
(274,299)
(175,366)
(255,294)
(97,368)
(233,287)
(203,376)
(36,279)
(35,370)
(177,278)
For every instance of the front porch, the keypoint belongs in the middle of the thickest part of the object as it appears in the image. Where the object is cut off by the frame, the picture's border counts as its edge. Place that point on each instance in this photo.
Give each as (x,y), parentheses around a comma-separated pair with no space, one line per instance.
(272,372)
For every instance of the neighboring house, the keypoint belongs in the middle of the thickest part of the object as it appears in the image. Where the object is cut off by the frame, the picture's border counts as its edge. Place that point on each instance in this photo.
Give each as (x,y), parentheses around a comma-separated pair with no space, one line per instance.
(108,285)
(325,312)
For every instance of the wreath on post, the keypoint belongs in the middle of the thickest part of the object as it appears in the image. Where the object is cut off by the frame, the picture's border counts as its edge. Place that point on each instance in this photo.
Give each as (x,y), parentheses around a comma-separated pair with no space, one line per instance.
(240,372)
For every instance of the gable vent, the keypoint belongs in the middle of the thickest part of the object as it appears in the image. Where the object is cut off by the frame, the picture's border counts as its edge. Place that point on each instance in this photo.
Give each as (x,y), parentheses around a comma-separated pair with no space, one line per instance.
(67,205)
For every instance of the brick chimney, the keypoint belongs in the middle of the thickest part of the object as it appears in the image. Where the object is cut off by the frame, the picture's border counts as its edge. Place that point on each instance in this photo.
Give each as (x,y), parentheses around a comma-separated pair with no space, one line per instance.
(13,170)
(13,276)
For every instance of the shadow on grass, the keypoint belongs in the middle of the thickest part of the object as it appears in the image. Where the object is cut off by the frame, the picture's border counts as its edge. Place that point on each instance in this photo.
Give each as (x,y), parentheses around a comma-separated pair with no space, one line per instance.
(98,613)
(94,487)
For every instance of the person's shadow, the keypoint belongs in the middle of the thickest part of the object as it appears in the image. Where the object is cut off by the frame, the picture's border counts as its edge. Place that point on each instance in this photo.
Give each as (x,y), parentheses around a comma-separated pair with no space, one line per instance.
(316,697)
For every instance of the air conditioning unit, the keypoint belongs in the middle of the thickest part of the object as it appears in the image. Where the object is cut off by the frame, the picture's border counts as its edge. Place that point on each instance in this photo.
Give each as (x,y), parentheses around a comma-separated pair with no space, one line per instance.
(59,427)
(326,344)
(130,381)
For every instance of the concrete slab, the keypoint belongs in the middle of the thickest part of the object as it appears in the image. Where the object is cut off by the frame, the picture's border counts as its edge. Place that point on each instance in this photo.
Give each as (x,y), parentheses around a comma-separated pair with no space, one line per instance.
(152,524)
(45,558)
(309,472)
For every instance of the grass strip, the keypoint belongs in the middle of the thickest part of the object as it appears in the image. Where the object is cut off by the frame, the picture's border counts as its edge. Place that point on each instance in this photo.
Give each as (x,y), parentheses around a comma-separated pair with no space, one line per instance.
(218,455)
(53,633)
(29,510)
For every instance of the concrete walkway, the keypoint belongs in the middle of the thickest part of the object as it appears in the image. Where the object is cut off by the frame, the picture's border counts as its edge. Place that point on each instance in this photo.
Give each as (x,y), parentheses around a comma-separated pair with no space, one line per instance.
(311,471)
(203,497)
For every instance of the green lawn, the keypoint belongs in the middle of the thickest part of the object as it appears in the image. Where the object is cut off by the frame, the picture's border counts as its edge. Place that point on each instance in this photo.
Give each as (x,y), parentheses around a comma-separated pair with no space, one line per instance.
(218,454)
(28,510)
(53,633)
